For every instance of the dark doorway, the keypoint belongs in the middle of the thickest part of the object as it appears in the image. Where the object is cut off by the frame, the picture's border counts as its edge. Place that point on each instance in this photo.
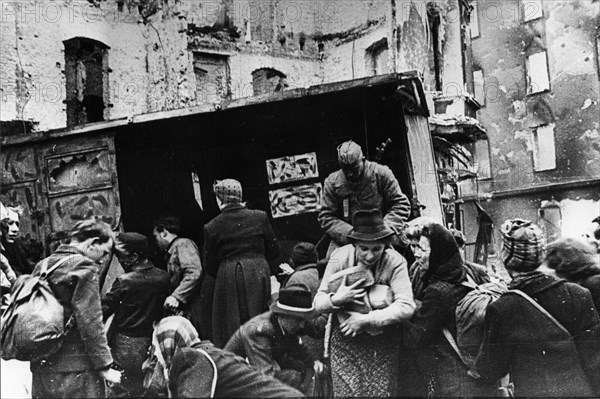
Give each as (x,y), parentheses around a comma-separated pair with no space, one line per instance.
(156,159)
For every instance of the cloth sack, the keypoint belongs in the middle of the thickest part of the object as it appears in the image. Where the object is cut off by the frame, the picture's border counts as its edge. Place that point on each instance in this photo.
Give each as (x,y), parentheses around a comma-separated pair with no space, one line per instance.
(470,315)
(33,326)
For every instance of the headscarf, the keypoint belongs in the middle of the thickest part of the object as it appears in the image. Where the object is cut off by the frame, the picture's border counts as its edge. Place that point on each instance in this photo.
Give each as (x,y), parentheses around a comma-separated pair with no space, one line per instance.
(445,262)
(229,191)
(171,333)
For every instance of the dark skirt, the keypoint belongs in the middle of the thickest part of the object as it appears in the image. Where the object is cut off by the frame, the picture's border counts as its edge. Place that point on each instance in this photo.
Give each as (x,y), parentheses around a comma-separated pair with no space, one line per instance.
(242,291)
(129,353)
(365,366)
(205,314)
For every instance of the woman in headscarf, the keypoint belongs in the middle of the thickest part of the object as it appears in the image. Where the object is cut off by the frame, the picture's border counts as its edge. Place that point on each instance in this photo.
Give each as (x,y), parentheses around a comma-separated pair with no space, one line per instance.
(576,261)
(441,288)
(364,341)
(186,367)
(237,245)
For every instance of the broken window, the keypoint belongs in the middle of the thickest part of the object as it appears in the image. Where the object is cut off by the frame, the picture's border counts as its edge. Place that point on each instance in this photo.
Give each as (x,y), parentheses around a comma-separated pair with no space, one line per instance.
(86,70)
(532,9)
(550,220)
(483,161)
(377,57)
(538,79)
(268,80)
(474,23)
(212,77)
(544,153)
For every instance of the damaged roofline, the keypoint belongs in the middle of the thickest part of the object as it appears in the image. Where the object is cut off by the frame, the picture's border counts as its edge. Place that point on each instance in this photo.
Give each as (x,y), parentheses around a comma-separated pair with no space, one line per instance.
(411,76)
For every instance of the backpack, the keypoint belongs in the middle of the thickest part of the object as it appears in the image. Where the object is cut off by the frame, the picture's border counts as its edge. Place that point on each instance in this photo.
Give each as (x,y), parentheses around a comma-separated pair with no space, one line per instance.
(470,315)
(33,326)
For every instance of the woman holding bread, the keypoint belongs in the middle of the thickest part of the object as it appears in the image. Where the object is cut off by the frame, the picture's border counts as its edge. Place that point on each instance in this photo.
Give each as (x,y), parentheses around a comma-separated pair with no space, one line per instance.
(367,290)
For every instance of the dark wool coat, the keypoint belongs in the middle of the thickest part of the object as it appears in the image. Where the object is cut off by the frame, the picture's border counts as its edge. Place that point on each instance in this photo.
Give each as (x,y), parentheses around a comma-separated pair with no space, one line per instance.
(442,369)
(592,283)
(263,343)
(192,375)
(378,188)
(521,340)
(75,285)
(237,245)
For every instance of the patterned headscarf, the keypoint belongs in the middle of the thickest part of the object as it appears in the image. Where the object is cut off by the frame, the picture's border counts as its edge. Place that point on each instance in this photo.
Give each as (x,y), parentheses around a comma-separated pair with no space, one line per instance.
(522,245)
(229,191)
(171,333)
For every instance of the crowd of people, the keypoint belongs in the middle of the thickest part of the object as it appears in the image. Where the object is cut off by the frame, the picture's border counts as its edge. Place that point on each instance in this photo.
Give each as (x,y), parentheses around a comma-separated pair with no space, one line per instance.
(394,309)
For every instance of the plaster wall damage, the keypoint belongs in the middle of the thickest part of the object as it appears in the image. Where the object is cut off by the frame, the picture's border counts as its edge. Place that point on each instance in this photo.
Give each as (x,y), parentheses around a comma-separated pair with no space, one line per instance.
(151,60)
(565,36)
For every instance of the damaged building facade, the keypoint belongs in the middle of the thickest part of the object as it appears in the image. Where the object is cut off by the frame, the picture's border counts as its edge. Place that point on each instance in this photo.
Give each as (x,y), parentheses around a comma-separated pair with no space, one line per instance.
(536,71)
(127,109)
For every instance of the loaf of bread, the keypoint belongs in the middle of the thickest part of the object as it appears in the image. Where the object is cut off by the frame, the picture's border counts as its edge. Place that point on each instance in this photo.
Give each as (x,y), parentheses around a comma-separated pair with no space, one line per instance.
(353,274)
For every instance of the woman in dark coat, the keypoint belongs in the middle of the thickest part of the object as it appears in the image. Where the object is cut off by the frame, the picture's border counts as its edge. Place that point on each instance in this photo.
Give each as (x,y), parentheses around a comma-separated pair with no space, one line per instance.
(441,290)
(576,261)
(543,359)
(237,245)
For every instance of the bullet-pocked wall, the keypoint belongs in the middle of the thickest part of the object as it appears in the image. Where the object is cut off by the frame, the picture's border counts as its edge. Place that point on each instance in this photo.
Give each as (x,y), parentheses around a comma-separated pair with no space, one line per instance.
(537,71)
(539,63)
(150,48)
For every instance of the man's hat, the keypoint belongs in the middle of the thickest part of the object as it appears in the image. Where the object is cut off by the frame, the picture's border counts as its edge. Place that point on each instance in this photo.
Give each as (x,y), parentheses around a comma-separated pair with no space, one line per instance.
(133,243)
(295,300)
(349,152)
(369,226)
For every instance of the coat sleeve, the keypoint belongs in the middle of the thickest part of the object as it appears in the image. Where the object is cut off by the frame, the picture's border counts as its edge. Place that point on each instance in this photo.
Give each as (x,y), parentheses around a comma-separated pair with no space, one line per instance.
(429,320)
(211,262)
(112,299)
(271,245)
(329,215)
(258,348)
(191,375)
(587,339)
(322,301)
(403,306)
(191,267)
(87,312)
(396,202)
(494,356)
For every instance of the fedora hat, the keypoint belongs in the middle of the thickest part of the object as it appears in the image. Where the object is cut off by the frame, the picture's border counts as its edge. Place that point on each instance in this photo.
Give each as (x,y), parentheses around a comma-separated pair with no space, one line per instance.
(369,226)
(295,300)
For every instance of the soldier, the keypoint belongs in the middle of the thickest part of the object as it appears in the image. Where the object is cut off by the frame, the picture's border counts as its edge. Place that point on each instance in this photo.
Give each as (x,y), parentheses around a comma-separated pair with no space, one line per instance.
(360,185)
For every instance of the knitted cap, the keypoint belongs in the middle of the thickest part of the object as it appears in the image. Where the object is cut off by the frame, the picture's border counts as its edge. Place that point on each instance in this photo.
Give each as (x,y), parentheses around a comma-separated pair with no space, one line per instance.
(522,245)
(303,253)
(229,191)
(349,152)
